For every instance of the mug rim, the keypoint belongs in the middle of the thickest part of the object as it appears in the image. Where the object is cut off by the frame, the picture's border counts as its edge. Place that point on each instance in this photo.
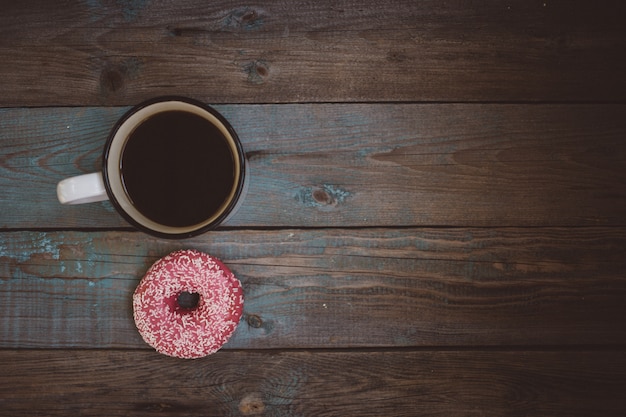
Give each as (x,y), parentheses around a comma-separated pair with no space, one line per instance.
(204,227)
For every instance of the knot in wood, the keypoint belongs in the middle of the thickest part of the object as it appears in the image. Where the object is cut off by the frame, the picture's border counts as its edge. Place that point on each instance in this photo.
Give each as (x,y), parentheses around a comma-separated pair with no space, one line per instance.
(257,71)
(111,79)
(243,18)
(255,321)
(324,197)
(249,16)
(252,404)
(114,76)
(321,196)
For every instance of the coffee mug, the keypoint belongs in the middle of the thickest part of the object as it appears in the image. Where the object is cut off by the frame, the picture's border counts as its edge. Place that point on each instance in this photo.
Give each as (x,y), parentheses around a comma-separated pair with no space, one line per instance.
(172,167)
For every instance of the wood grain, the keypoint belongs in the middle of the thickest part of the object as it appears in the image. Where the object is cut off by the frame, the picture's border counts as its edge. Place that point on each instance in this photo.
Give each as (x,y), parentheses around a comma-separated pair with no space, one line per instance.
(333,288)
(444,383)
(119,53)
(435,223)
(357,165)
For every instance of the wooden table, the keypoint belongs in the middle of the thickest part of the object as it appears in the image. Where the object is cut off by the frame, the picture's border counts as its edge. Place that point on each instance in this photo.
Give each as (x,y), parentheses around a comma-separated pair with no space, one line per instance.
(435,224)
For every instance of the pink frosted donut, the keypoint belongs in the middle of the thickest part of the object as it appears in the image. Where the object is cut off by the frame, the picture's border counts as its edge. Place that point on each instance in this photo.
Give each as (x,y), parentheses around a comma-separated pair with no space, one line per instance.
(188,304)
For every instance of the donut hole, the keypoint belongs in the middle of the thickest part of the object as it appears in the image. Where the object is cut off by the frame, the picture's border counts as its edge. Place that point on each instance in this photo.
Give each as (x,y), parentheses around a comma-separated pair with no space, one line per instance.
(188,300)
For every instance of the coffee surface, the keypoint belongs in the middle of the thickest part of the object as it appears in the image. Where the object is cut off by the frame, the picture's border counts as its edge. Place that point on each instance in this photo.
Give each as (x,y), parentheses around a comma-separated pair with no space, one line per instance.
(177,168)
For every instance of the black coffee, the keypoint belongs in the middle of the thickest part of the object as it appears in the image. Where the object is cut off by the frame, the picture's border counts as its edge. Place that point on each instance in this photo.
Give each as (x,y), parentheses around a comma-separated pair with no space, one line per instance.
(177,168)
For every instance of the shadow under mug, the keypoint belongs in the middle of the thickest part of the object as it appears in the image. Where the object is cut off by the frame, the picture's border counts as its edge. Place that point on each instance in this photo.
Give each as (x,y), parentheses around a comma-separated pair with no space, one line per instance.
(173,167)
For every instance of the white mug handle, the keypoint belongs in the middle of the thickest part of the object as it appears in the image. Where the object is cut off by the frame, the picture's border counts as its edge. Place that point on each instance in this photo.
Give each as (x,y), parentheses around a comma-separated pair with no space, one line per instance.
(87,188)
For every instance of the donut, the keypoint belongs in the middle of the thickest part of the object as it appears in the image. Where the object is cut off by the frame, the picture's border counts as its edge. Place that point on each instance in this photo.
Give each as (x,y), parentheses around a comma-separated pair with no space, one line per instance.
(187,305)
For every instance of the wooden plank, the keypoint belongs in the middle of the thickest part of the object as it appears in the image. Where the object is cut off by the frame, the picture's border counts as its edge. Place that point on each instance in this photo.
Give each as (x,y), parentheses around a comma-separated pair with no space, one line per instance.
(444,383)
(333,288)
(357,165)
(105,52)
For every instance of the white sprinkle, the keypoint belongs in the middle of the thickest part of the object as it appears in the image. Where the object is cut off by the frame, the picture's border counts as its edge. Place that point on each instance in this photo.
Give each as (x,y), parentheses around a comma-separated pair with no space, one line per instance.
(193,334)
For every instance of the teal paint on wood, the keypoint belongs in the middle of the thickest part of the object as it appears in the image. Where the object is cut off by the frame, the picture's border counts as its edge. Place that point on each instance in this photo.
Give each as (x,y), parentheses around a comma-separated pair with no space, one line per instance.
(332,287)
(39,148)
(60,288)
(337,165)
(325,196)
(129,10)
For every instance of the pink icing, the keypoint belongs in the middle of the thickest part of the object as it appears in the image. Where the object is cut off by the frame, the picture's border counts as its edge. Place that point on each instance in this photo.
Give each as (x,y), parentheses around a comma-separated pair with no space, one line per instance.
(185,333)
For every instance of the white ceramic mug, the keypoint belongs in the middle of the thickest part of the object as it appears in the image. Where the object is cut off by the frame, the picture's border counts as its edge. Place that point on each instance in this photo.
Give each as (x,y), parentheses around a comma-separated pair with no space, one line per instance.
(172,167)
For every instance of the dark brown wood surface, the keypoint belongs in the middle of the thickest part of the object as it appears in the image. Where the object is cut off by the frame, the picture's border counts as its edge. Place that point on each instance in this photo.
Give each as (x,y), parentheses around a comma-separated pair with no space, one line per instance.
(435,223)
(320,383)
(105,52)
